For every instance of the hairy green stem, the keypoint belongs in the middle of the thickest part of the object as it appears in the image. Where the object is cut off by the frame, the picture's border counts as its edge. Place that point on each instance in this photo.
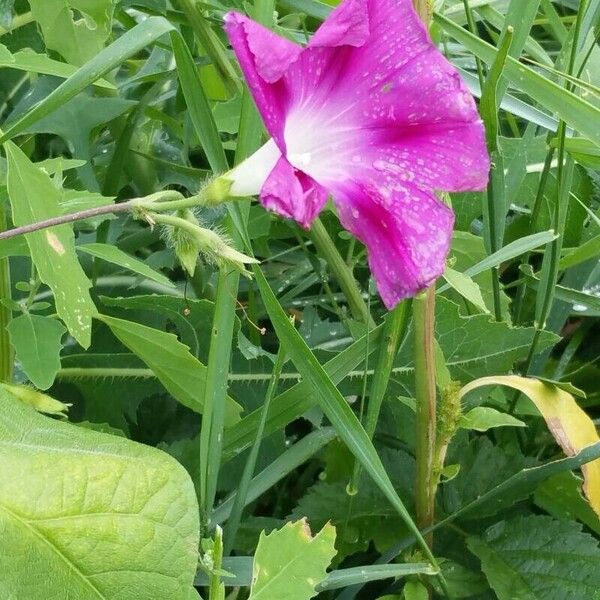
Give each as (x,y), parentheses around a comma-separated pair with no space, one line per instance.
(342,271)
(425,393)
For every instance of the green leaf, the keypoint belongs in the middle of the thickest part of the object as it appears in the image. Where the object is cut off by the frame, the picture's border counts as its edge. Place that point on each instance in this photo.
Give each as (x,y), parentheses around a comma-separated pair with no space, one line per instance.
(576,112)
(508,252)
(415,590)
(77,40)
(537,557)
(27,60)
(519,485)
(561,497)
(482,418)
(37,344)
(353,575)
(34,197)
(466,287)
(197,105)
(183,375)
(90,515)
(289,563)
(474,346)
(334,405)
(116,256)
(505,582)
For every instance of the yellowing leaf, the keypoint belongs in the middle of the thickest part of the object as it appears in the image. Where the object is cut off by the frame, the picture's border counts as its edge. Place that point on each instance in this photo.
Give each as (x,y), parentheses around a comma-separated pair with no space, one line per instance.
(572,429)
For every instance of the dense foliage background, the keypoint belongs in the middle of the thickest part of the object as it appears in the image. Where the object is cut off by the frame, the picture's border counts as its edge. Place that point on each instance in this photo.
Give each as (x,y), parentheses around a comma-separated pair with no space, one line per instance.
(104,330)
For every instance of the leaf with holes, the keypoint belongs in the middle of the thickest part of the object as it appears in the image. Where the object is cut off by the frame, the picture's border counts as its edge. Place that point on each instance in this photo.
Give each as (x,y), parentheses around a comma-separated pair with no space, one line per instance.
(33,198)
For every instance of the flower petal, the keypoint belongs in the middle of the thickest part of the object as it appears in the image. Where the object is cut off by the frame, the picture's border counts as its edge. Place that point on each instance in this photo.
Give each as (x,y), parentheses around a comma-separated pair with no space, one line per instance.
(293,194)
(264,57)
(249,176)
(407,233)
(347,25)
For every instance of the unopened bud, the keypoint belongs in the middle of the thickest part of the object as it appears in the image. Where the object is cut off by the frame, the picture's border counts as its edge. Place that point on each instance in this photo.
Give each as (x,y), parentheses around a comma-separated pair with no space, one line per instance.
(184,243)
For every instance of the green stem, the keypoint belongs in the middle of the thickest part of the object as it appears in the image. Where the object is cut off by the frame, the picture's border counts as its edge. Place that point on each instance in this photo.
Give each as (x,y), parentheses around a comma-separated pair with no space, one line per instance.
(342,271)
(6,351)
(393,332)
(241,496)
(425,393)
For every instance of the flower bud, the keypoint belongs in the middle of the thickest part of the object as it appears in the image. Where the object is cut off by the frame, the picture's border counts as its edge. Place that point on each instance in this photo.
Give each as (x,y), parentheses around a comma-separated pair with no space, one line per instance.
(184,243)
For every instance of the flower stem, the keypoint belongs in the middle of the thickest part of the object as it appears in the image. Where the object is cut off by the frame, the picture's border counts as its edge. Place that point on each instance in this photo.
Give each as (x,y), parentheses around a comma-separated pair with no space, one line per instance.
(343,272)
(424,318)
(6,352)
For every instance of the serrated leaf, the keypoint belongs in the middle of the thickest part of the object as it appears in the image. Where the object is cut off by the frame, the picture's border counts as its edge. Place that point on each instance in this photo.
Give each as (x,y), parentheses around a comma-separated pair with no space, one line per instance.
(88,515)
(116,256)
(37,344)
(570,426)
(289,562)
(482,418)
(33,198)
(560,496)
(182,374)
(538,558)
(474,346)
(77,40)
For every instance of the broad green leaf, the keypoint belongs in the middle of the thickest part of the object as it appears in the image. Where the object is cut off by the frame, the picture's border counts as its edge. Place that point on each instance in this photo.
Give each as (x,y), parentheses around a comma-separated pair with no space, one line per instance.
(289,563)
(34,197)
(538,558)
(27,60)
(503,579)
(76,39)
(114,255)
(89,515)
(37,344)
(466,287)
(182,374)
(561,497)
(482,418)
(571,427)
(520,485)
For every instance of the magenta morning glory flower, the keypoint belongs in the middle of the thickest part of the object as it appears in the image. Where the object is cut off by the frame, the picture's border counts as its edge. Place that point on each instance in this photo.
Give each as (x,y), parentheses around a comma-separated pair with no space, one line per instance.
(373,114)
